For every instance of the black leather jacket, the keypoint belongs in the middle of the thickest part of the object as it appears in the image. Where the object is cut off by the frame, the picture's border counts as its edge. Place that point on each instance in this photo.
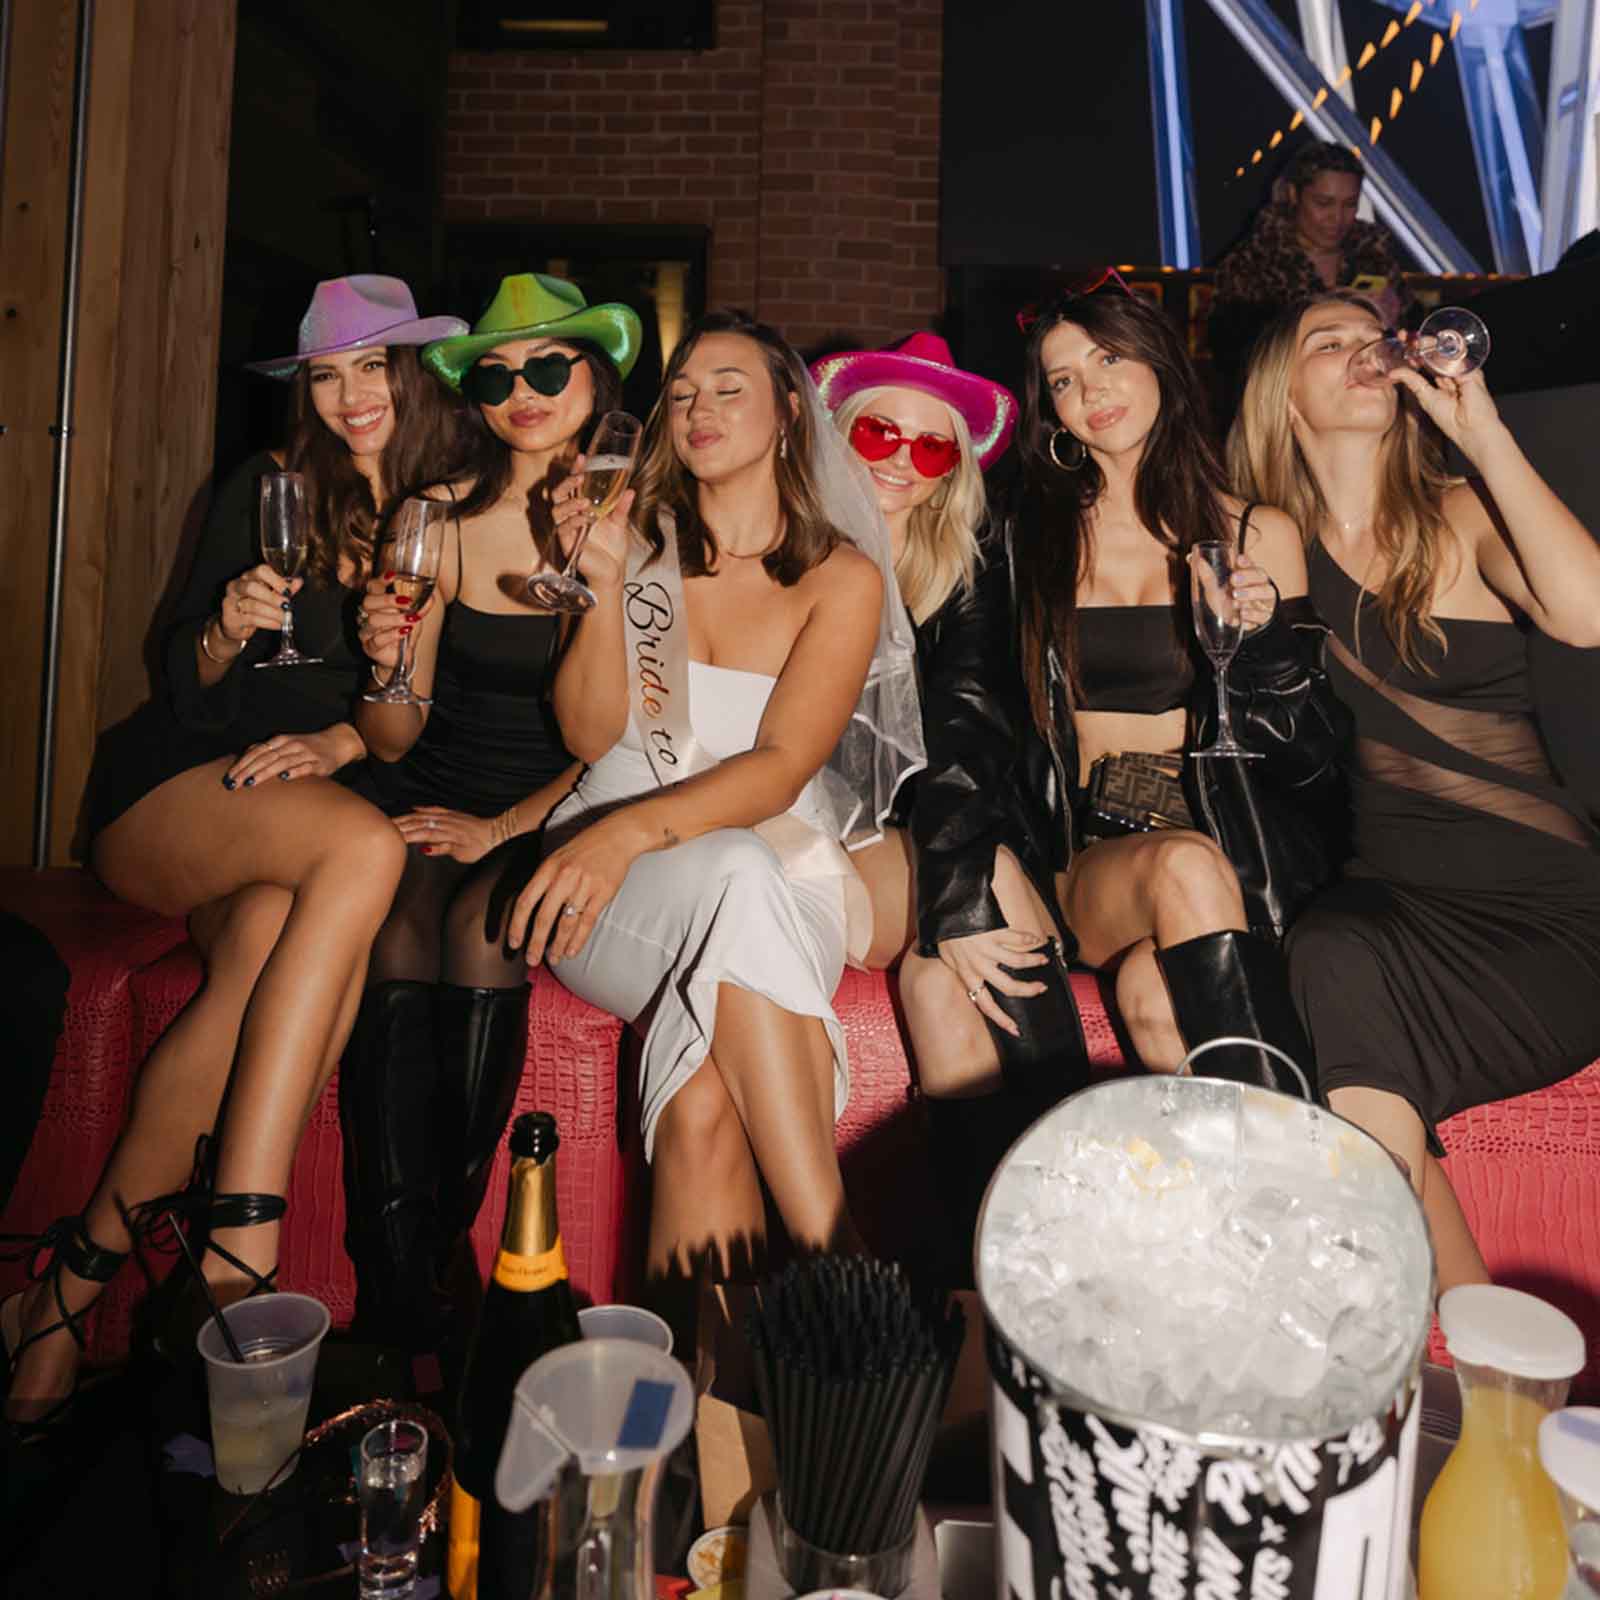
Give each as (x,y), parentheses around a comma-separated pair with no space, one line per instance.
(991,779)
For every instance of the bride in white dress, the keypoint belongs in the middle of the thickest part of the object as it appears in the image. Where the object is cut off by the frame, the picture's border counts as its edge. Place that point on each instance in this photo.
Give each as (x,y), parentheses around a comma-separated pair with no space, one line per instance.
(694,883)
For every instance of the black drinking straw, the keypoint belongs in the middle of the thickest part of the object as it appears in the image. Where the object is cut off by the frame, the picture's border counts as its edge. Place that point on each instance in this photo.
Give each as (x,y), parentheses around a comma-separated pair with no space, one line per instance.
(852,1369)
(234,1352)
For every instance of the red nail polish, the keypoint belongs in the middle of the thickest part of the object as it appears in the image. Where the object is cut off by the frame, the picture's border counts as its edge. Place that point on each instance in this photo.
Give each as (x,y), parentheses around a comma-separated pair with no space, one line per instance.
(387,576)
(427,849)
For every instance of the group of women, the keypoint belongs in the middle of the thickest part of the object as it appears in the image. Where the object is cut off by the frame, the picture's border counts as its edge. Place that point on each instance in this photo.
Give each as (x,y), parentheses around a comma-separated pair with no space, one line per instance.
(830,707)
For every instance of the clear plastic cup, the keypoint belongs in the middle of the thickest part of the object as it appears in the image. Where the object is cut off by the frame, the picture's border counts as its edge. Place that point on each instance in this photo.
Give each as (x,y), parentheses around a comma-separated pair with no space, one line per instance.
(626,1322)
(258,1408)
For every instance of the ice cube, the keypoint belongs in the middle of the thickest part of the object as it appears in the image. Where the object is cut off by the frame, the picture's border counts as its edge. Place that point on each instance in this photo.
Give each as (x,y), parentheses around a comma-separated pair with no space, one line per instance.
(1258,1226)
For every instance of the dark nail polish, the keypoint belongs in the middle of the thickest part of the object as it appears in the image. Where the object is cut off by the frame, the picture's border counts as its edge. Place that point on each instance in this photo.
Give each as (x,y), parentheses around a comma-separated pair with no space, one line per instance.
(250,782)
(228,783)
(284,776)
(285,605)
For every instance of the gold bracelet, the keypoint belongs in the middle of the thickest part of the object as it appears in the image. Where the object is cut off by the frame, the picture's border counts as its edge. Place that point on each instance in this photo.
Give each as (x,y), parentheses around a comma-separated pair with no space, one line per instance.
(205,641)
(503,827)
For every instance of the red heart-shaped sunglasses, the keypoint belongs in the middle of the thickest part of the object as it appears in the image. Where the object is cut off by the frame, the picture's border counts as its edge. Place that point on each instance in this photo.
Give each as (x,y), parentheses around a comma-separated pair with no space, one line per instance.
(877,438)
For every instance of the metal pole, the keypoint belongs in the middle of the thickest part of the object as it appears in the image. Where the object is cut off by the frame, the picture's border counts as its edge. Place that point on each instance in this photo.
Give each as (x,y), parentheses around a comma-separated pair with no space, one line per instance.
(45,786)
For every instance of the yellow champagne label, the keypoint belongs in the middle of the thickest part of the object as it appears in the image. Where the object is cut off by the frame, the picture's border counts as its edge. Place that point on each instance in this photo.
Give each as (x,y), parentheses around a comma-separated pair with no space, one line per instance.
(528,1273)
(461,1565)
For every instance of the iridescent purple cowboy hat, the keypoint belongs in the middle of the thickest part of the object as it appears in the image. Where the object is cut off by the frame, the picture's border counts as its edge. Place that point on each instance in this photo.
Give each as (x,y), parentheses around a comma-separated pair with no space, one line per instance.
(355,312)
(924,362)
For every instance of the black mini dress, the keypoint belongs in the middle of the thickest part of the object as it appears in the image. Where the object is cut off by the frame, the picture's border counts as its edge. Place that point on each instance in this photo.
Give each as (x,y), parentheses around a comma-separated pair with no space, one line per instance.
(188,724)
(1458,960)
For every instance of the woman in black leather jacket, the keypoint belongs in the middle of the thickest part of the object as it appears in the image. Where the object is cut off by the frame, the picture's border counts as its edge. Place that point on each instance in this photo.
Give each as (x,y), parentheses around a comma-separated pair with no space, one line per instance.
(1176,874)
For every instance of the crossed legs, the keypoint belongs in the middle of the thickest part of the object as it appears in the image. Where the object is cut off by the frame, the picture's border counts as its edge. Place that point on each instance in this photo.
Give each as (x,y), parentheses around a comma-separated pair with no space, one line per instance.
(285,885)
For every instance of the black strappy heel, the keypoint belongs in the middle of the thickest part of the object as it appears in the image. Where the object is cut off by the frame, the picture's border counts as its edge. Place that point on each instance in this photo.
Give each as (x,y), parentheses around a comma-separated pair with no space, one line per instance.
(69,1246)
(174,1310)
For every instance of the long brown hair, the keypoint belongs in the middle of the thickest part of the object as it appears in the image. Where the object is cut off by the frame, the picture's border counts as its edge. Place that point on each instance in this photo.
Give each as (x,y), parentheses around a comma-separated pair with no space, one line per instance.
(421,450)
(1177,492)
(1266,463)
(486,460)
(665,484)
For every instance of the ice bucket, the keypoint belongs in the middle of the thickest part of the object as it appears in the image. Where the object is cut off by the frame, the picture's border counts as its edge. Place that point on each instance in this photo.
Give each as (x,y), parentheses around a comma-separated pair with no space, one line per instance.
(1098,1491)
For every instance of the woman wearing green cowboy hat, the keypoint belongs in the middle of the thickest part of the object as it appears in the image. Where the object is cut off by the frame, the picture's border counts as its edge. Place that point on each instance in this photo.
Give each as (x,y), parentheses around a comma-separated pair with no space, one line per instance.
(427,1084)
(214,801)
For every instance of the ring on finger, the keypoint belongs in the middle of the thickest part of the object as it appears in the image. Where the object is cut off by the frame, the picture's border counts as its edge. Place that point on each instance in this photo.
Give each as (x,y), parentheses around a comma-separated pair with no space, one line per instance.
(569,910)
(974,992)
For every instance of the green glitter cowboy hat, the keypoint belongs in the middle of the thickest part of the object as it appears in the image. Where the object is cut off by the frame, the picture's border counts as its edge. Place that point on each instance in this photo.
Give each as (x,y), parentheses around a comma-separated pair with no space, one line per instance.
(531,305)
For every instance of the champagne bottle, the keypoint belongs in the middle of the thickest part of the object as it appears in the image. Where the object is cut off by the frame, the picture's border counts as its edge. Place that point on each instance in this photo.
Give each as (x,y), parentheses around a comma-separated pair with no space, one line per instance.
(527,1310)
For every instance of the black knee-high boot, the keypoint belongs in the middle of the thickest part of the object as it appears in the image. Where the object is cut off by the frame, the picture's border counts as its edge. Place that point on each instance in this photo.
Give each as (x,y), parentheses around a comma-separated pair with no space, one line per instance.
(1047,1058)
(387,1088)
(1234,983)
(483,1042)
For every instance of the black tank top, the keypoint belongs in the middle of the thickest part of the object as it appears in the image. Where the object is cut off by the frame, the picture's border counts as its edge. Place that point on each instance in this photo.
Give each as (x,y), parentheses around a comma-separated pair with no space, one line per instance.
(1131,659)
(491,738)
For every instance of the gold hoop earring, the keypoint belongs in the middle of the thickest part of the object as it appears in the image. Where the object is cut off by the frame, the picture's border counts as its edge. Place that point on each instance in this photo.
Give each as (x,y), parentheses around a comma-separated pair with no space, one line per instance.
(1078,454)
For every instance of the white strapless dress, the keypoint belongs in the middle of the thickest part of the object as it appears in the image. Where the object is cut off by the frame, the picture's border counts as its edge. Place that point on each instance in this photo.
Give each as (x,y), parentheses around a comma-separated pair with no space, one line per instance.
(716,910)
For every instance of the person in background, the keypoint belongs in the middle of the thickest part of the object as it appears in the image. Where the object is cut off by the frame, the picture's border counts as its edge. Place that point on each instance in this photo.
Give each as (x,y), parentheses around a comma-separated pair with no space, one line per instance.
(1458,959)
(428,1081)
(219,802)
(1307,239)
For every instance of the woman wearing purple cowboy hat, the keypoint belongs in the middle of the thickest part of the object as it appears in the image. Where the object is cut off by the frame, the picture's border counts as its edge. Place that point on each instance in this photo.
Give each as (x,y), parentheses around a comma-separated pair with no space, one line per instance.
(428,1080)
(214,802)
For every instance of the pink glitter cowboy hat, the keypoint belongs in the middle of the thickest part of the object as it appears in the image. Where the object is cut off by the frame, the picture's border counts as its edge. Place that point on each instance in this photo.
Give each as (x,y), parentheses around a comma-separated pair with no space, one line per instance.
(923,362)
(352,313)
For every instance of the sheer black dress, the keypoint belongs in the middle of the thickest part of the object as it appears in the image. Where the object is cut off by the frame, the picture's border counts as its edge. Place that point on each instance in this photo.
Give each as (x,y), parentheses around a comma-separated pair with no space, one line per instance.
(1458,959)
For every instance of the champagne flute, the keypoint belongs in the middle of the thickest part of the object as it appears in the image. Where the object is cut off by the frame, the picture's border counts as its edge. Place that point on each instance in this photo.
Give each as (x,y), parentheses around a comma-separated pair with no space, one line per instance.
(1451,342)
(607,467)
(285,521)
(1219,626)
(411,556)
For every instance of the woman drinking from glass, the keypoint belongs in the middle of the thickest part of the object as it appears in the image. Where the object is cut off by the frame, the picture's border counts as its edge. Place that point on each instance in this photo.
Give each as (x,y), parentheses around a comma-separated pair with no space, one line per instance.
(216,803)
(1458,960)
(469,773)
(695,884)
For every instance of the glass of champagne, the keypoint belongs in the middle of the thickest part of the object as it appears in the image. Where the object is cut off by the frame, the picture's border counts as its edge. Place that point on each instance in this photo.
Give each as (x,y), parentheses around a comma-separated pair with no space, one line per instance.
(1450,343)
(411,554)
(607,467)
(285,520)
(1219,626)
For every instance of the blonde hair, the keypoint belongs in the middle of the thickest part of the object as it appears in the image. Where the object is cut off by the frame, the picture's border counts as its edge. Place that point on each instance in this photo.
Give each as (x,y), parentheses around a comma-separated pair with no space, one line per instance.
(940,557)
(1266,463)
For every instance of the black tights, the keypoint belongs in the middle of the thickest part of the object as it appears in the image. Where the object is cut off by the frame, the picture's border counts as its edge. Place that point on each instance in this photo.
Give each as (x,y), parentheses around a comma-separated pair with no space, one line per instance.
(448,920)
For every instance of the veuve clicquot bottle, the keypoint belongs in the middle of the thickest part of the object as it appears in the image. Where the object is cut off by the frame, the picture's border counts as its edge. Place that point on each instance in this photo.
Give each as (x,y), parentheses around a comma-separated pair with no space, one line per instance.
(527,1311)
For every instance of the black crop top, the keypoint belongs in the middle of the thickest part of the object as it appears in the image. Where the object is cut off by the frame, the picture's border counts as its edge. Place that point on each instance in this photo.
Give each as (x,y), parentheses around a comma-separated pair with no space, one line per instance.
(1131,659)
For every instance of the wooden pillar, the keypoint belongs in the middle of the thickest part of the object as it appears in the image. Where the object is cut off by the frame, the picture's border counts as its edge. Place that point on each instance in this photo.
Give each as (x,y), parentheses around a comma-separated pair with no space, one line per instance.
(154,219)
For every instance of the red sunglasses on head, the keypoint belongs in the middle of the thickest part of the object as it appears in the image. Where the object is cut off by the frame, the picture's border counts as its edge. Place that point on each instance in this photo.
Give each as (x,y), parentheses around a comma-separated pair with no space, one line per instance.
(1109,280)
(877,438)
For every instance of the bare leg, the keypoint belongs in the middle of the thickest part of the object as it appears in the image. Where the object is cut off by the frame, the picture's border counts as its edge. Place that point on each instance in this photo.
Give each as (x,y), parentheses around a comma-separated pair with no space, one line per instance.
(1146,1009)
(886,870)
(340,860)
(705,1195)
(778,1070)
(954,1049)
(175,1100)
(1394,1123)
(1169,886)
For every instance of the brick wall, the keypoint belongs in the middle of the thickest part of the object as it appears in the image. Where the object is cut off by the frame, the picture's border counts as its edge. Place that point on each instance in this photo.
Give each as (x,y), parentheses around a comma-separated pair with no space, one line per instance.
(807,142)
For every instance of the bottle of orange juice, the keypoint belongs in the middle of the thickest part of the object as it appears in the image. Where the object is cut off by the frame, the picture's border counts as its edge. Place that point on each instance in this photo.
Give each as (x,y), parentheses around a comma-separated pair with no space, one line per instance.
(1491,1527)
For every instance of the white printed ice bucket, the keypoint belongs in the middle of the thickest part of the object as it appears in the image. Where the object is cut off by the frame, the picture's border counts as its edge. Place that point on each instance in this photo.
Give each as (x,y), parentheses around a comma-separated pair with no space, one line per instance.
(1094,1501)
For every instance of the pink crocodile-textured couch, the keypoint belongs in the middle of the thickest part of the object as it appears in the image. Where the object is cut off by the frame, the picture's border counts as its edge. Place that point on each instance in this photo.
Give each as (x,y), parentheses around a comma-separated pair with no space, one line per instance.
(1527,1170)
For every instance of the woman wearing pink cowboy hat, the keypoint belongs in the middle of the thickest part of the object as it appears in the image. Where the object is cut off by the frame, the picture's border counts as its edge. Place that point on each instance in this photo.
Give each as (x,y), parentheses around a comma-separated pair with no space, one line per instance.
(215,802)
